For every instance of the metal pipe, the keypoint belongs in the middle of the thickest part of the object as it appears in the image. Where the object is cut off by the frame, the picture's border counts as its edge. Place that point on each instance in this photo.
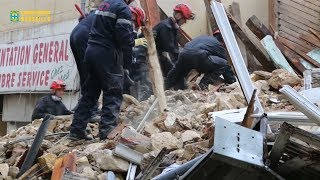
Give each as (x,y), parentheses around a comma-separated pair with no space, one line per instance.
(302,103)
(33,151)
(139,128)
(178,171)
(235,54)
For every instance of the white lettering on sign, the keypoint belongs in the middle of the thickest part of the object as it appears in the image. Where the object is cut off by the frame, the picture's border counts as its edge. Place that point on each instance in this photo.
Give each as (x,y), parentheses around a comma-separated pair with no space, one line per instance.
(31,65)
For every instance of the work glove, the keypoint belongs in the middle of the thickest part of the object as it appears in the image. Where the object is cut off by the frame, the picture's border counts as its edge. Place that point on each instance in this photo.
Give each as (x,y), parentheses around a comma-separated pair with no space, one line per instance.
(141,42)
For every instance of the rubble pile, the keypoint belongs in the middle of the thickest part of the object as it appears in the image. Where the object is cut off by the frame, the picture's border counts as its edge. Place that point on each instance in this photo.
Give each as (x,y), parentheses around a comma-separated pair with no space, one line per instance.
(185,129)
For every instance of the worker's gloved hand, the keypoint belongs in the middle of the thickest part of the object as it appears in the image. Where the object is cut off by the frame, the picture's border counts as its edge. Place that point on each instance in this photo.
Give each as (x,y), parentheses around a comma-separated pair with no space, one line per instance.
(141,42)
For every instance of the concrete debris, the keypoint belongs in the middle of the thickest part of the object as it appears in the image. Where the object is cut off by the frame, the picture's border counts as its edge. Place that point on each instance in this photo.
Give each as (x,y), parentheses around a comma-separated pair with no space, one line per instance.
(165,139)
(13,171)
(4,170)
(189,135)
(105,160)
(104,176)
(47,161)
(280,77)
(186,128)
(150,128)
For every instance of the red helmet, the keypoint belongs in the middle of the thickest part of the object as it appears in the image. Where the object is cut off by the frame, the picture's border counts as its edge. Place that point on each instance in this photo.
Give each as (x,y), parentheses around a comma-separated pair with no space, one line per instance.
(141,17)
(58,84)
(185,10)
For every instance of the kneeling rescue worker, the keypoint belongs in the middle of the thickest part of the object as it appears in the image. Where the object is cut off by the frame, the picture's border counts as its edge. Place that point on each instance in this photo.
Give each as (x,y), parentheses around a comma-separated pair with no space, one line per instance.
(109,49)
(207,55)
(51,104)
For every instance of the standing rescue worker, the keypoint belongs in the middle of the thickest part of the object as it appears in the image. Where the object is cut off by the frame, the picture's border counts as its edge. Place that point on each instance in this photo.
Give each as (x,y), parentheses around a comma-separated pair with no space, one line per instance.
(109,48)
(166,36)
(51,104)
(78,42)
(138,19)
(206,55)
(139,71)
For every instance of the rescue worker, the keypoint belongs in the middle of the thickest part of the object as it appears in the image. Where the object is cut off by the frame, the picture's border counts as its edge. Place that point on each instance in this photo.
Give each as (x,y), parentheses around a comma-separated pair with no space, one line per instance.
(138,19)
(109,48)
(166,36)
(51,104)
(206,55)
(139,71)
(78,43)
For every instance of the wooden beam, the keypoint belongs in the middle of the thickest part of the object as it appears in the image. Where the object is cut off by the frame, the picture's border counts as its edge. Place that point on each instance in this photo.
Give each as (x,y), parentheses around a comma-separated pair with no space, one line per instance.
(248,121)
(302,54)
(311,39)
(183,37)
(272,14)
(264,60)
(301,8)
(68,162)
(152,12)
(212,20)
(155,70)
(260,31)
(317,34)
(251,63)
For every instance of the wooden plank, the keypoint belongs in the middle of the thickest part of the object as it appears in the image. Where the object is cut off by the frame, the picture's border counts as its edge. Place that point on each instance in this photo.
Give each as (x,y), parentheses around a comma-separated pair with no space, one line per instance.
(264,60)
(152,12)
(300,7)
(248,121)
(311,39)
(317,34)
(235,11)
(68,162)
(155,70)
(302,54)
(212,20)
(272,13)
(275,54)
(287,28)
(299,42)
(296,11)
(295,164)
(299,26)
(259,29)
(315,2)
(35,168)
(298,20)
(308,4)
(299,17)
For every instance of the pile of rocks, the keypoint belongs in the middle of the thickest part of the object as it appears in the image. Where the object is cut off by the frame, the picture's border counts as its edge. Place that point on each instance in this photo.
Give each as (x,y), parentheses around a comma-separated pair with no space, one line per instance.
(185,129)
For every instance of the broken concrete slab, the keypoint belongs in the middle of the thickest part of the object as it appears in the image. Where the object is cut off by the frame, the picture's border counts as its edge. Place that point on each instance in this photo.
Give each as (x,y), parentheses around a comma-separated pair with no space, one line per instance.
(165,139)
(190,135)
(4,170)
(47,161)
(150,128)
(105,160)
(280,77)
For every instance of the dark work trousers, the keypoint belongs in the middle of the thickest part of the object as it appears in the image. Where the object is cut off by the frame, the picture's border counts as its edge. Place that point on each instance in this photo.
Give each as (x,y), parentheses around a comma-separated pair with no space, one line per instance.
(165,64)
(105,69)
(78,44)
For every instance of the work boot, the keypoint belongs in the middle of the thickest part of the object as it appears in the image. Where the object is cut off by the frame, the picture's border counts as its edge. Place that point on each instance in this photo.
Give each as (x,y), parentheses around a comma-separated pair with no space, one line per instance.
(75,137)
(104,134)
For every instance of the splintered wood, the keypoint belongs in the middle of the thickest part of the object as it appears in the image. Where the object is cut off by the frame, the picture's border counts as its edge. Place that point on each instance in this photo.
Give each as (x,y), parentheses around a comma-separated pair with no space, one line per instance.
(63,164)
(295,18)
(155,70)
